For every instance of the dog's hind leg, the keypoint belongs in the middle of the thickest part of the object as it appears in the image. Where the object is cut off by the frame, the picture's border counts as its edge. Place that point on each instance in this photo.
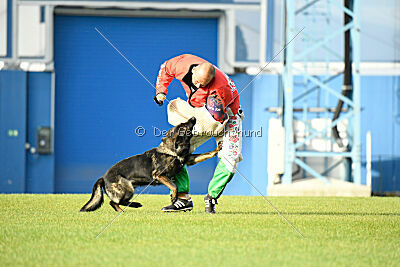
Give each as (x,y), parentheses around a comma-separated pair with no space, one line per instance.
(131,204)
(128,195)
(115,206)
(120,192)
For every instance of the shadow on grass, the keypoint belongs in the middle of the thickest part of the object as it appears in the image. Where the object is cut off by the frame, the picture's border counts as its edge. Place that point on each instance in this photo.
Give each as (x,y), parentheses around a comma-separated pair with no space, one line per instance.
(313,213)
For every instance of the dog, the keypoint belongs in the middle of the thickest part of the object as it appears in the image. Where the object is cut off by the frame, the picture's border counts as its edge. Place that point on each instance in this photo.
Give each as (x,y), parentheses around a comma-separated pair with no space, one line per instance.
(156,166)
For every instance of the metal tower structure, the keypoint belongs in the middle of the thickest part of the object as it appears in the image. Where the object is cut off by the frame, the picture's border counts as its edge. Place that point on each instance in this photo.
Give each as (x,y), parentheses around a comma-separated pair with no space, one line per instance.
(298,65)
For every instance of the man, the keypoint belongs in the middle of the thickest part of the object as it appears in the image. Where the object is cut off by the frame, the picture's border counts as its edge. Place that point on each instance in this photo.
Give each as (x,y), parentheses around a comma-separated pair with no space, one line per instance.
(205,85)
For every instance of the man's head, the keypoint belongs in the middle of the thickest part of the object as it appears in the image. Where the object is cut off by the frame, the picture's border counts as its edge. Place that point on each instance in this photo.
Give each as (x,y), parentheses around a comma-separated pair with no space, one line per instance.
(203,74)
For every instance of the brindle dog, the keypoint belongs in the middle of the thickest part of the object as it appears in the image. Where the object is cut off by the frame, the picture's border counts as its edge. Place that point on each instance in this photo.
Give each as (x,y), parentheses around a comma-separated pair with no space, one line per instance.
(156,166)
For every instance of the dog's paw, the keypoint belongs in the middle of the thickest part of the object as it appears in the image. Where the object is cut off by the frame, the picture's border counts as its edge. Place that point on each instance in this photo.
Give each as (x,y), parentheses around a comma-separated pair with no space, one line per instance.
(135,205)
(219,146)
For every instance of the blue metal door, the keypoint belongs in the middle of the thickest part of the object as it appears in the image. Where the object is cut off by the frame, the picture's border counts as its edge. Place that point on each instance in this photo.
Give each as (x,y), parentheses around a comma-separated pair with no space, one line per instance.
(12,131)
(100,99)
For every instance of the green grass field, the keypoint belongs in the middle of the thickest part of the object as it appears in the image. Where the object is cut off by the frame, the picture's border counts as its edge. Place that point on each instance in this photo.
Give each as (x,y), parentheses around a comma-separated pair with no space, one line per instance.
(49,230)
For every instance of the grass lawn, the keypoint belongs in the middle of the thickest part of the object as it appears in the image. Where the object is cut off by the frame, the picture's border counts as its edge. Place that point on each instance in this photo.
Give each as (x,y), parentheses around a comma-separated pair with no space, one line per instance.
(49,230)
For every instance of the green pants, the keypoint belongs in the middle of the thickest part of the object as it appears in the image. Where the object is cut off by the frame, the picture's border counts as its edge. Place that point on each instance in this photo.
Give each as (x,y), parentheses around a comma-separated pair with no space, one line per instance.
(216,186)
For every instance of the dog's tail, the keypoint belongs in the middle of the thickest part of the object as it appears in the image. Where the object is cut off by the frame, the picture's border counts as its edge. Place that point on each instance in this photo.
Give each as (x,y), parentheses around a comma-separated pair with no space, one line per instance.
(97,198)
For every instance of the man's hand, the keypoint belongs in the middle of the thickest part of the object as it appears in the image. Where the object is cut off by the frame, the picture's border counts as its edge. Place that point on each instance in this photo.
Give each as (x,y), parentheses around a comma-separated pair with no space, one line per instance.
(159,99)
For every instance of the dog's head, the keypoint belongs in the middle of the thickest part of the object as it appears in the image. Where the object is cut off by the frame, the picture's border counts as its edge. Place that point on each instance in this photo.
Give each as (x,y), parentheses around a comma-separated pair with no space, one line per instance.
(178,137)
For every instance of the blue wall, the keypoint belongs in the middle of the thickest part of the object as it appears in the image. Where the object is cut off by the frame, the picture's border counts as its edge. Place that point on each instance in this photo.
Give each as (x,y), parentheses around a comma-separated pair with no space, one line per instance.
(262,93)
(381,115)
(12,131)
(39,168)
(35,173)
(25,105)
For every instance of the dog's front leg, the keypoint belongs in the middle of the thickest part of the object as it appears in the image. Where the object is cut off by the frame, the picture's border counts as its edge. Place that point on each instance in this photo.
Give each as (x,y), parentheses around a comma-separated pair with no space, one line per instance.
(168,183)
(197,158)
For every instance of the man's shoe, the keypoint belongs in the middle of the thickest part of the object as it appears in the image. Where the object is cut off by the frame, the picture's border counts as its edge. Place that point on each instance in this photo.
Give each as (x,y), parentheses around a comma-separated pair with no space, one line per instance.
(179,205)
(210,203)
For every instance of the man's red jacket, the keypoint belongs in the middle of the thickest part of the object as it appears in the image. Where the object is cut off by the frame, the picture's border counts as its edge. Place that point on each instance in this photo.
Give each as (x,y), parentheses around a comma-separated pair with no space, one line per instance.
(221,85)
